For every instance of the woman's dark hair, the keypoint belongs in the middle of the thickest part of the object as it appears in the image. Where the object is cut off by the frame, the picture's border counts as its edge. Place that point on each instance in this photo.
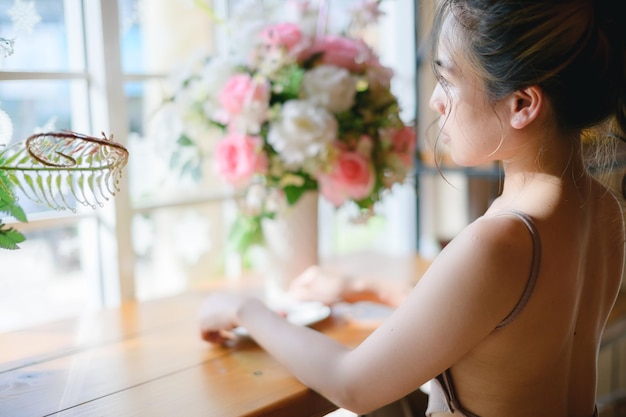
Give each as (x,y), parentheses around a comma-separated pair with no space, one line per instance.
(574,50)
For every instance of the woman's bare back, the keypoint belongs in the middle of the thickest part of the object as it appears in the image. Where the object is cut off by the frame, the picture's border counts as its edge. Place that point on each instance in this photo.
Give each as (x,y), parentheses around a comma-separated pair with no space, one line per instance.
(546,359)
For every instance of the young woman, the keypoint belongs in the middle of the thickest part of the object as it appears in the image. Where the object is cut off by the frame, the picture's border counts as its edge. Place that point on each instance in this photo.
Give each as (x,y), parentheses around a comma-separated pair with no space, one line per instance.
(508,318)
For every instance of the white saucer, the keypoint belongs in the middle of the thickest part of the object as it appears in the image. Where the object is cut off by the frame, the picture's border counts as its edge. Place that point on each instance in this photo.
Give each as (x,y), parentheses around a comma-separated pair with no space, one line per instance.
(304,313)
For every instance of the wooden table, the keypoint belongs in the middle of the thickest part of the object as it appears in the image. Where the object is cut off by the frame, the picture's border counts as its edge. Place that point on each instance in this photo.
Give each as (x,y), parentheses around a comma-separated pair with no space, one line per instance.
(147,359)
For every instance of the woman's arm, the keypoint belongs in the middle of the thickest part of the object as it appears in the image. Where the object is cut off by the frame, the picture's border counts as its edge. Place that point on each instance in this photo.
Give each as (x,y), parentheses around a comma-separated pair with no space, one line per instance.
(455,305)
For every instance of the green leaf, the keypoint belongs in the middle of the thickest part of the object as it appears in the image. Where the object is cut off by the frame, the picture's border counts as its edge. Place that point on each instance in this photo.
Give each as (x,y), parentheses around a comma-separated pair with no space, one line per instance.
(12,158)
(196,173)
(287,84)
(14,210)
(293,193)
(184,140)
(6,193)
(28,179)
(245,232)
(10,238)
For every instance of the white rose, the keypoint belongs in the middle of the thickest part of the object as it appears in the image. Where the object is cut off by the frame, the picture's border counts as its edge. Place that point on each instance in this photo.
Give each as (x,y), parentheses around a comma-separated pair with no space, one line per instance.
(329,86)
(302,132)
(255,199)
(251,117)
(216,73)
(205,88)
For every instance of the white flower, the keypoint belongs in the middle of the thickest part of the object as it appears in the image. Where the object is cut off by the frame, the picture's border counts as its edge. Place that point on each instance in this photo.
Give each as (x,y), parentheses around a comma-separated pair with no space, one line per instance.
(304,13)
(330,87)
(275,201)
(212,79)
(255,199)
(251,118)
(302,132)
(366,12)
(199,97)
(245,24)
(24,16)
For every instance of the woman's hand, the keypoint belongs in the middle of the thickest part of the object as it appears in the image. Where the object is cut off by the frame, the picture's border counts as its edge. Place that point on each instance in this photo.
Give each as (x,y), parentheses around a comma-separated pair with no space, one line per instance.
(318,285)
(219,314)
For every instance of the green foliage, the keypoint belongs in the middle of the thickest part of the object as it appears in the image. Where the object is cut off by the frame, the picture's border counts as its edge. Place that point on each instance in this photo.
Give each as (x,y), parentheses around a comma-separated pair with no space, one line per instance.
(245,232)
(287,83)
(58,170)
(294,192)
(9,237)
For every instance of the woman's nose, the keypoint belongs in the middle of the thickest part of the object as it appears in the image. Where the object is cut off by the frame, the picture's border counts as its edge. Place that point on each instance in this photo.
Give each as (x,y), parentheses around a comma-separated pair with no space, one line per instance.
(438,100)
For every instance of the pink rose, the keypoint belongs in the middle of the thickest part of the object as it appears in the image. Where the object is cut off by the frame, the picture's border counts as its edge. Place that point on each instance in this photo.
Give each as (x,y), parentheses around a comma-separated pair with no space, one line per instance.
(399,158)
(240,91)
(403,143)
(351,54)
(238,157)
(352,177)
(287,35)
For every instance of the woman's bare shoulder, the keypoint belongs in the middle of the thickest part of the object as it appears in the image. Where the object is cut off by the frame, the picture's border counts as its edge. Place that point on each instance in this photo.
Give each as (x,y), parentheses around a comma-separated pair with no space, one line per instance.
(500,234)
(486,266)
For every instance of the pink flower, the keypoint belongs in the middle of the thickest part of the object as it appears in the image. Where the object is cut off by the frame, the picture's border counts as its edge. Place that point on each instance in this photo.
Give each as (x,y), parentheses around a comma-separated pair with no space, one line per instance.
(399,158)
(241,91)
(403,143)
(287,35)
(351,54)
(238,157)
(352,177)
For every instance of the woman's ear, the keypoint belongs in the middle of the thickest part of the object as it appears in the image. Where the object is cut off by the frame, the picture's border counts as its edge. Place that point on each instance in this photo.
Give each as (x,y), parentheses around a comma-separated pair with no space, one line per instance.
(525,106)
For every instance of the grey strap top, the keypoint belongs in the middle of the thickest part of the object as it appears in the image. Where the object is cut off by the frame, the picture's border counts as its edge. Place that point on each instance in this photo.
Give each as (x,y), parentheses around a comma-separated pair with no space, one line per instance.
(534,271)
(443,396)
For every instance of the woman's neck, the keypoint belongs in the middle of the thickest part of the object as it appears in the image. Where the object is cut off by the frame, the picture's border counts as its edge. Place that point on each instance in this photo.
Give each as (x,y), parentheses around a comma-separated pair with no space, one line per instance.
(550,167)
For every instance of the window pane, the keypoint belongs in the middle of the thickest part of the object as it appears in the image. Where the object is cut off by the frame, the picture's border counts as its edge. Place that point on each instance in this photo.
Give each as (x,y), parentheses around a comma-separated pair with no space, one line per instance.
(52,276)
(39,105)
(157,35)
(47,35)
(178,247)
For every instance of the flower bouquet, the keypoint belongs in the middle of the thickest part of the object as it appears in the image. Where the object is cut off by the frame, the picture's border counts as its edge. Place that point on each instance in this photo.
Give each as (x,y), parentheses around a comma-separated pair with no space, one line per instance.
(306,110)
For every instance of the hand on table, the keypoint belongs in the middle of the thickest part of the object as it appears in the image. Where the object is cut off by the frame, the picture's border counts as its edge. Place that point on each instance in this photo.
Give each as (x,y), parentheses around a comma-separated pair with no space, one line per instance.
(315,284)
(319,284)
(218,315)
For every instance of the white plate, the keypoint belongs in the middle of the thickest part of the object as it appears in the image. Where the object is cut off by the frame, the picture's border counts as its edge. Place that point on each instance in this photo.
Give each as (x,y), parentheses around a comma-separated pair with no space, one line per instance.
(301,313)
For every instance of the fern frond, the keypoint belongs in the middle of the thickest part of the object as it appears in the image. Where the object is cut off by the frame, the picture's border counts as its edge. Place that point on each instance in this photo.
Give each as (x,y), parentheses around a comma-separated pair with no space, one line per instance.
(48,167)
(9,237)
(14,210)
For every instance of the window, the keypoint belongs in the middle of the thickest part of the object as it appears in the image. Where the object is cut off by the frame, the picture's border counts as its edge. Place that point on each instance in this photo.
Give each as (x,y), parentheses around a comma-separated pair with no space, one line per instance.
(106,66)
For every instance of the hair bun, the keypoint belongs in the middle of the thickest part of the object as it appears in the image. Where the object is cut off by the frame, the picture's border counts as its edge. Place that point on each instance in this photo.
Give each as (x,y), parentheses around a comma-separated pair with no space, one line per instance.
(611,17)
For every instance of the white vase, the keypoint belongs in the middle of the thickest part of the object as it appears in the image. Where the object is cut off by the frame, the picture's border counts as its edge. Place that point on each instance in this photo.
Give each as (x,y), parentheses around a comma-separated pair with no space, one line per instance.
(291,246)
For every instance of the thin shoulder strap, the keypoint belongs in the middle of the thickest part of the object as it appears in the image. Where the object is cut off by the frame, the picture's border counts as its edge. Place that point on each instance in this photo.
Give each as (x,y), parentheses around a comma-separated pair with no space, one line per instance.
(534,271)
(447,386)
